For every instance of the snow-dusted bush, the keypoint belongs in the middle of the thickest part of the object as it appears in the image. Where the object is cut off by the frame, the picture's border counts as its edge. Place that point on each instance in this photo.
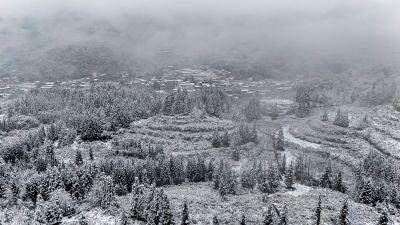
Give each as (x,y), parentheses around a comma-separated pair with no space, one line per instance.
(66,136)
(65,202)
(252,110)
(91,128)
(47,212)
(103,193)
(341,119)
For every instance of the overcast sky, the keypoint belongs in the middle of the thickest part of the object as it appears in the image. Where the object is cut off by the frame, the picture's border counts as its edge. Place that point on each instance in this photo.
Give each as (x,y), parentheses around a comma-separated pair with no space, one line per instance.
(330,29)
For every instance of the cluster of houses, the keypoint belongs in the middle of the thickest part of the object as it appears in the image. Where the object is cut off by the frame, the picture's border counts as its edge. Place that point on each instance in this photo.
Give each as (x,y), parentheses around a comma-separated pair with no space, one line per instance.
(196,79)
(6,86)
(190,79)
(82,83)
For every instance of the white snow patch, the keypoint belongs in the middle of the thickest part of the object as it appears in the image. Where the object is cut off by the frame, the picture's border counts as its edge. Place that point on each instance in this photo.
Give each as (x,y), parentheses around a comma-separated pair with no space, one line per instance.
(299,190)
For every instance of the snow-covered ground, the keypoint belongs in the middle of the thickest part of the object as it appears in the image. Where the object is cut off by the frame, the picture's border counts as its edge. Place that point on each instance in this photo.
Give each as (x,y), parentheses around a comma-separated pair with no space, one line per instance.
(299,190)
(290,138)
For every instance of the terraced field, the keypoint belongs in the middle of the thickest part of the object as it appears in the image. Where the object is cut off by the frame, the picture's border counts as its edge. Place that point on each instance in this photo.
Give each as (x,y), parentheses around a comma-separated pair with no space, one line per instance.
(350,145)
(179,133)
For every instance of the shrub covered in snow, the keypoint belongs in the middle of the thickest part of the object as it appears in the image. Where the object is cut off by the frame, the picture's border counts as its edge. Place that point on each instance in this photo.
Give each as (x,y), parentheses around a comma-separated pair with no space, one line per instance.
(341,119)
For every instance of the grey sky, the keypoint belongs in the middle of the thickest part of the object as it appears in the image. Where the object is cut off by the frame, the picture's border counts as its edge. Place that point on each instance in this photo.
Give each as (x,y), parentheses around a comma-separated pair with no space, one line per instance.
(318,29)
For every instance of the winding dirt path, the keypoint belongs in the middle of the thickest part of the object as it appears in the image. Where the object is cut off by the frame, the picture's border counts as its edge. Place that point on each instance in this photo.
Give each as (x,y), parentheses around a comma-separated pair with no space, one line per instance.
(290,138)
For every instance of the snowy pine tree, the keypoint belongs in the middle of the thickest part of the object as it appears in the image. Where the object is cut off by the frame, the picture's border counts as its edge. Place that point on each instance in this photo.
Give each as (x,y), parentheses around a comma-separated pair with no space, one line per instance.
(325,181)
(164,214)
(341,119)
(324,116)
(344,213)
(283,164)
(215,220)
(78,158)
(283,218)
(384,219)
(243,220)
(318,212)
(289,177)
(91,154)
(168,104)
(225,139)
(165,173)
(339,186)
(216,140)
(366,192)
(269,217)
(280,141)
(185,215)
(3,188)
(235,153)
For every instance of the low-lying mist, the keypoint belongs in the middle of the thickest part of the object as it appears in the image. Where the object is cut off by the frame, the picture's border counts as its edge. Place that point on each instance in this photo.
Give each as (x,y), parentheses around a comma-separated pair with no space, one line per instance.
(43,38)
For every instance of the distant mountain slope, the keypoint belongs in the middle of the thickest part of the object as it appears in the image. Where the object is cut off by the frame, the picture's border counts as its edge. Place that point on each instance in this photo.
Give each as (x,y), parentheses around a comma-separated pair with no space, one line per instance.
(64,62)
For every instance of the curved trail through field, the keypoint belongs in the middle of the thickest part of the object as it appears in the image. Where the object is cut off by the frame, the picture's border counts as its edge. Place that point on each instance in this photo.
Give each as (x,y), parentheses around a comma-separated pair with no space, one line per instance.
(290,138)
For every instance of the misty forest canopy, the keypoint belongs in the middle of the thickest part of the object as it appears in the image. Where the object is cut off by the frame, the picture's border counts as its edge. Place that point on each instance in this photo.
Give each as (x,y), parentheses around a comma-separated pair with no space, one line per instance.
(47,40)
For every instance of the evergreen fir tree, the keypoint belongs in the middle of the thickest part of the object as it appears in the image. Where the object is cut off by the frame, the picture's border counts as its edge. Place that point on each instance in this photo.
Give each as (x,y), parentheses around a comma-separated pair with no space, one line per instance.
(280,141)
(91,154)
(269,217)
(217,174)
(50,157)
(137,192)
(169,104)
(210,169)
(215,220)
(177,170)
(179,106)
(274,177)
(225,139)
(384,219)
(365,192)
(165,175)
(78,158)
(164,214)
(339,186)
(123,219)
(191,170)
(3,188)
(344,213)
(185,215)
(252,110)
(325,181)
(324,116)
(283,217)
(47,212)
(91,128)
(40,216)
(341,119)
(283,164)
(244,133)
(235,153)
(253,134)
(15,191)
(106,194)
(318,212)
(216,140)
(289,177)
(248,178)
(83,220)
(243,220)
